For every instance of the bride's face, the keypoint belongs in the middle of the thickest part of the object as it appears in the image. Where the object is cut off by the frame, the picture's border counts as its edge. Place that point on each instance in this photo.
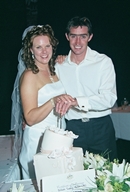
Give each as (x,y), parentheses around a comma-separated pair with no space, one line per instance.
(42,49)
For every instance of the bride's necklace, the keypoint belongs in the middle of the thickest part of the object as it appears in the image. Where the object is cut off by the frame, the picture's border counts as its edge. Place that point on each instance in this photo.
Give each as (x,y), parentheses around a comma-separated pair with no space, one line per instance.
(50,76)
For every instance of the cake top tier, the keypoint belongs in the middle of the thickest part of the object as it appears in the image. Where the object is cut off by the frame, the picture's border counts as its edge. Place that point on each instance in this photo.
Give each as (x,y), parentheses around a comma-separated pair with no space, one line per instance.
(56,138)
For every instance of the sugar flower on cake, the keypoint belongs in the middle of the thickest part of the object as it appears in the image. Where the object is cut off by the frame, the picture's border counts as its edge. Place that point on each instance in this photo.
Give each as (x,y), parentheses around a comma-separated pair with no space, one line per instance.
(110,176)
(67,153)
(71,134)
(71,163)
(63,151)
(63,132)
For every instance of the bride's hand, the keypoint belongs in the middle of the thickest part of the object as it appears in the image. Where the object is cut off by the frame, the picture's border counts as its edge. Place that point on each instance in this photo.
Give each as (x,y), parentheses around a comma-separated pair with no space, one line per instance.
(64,103)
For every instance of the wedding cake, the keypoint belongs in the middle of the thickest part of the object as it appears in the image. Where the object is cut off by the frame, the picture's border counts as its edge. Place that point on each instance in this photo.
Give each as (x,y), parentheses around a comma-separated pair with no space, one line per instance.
(57,154)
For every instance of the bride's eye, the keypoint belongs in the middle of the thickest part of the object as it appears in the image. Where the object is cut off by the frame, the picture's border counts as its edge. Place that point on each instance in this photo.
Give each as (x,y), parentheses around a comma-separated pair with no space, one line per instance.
(48,45)
(38,47)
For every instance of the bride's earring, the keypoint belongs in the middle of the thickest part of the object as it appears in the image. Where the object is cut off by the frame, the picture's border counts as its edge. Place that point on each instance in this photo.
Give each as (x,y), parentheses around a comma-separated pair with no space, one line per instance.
(32,55)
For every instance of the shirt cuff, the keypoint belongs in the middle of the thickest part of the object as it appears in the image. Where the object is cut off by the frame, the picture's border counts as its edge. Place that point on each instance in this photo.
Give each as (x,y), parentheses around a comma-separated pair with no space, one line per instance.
(83,103)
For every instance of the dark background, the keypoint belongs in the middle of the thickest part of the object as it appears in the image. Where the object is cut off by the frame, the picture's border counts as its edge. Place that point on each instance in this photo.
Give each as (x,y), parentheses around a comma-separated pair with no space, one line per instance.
(111,28)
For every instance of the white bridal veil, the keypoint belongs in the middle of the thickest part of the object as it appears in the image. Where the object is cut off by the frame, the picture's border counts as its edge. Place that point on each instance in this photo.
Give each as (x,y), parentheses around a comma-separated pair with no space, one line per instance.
(16,114)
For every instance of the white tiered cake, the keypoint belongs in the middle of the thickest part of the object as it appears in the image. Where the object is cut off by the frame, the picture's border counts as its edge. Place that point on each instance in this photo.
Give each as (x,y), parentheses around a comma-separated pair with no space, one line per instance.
(57,154)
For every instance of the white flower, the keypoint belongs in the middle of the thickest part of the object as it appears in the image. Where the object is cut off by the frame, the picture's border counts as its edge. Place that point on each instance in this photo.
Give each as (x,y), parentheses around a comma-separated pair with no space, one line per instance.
(118,170)
(60,152)
(72,135)
(108,188)
(14,188)
(62,132)
(94,161)
(127,170)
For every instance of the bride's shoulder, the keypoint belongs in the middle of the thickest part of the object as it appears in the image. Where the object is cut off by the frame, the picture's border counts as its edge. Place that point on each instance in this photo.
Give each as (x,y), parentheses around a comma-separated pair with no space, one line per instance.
(28,76)
(28,73)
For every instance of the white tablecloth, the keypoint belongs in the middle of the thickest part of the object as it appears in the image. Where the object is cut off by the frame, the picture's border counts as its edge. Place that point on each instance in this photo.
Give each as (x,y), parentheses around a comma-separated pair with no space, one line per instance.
(121,123)
(9,169)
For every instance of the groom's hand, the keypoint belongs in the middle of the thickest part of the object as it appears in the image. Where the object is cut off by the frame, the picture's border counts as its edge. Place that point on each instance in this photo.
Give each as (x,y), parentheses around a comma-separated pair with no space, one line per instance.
(60,59)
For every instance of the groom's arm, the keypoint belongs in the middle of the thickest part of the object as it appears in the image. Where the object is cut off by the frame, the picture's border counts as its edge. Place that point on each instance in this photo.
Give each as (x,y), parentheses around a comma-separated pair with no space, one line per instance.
(60,59)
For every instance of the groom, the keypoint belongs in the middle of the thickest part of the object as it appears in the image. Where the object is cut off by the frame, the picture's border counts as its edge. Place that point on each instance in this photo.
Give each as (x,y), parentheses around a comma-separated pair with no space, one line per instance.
(89,77)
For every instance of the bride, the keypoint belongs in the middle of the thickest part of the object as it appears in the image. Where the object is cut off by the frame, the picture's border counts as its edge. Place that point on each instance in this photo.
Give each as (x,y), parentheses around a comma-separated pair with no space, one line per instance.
(39,91)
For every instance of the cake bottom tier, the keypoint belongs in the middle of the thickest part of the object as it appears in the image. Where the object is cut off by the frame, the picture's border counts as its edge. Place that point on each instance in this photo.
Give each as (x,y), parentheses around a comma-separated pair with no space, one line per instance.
(45,166)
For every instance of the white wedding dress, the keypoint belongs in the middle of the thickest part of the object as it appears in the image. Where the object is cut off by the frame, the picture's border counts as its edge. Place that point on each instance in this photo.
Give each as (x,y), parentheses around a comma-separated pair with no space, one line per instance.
(32,135)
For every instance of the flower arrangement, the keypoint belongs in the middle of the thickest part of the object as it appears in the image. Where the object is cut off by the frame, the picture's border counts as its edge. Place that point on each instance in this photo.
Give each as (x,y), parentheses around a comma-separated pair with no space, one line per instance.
(110,176)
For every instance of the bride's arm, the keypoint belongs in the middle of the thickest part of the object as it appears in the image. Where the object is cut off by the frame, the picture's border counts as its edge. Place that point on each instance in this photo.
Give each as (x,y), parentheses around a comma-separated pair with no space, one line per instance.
(29,97)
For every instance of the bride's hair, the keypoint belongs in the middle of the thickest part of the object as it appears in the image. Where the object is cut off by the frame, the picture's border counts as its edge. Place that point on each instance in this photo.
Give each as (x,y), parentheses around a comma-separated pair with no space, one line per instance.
(27,57)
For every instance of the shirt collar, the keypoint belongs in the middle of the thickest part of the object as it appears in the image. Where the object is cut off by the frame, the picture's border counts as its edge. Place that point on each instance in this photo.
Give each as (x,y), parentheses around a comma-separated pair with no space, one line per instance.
(89,55)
